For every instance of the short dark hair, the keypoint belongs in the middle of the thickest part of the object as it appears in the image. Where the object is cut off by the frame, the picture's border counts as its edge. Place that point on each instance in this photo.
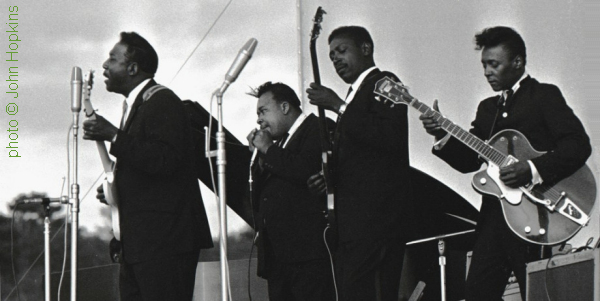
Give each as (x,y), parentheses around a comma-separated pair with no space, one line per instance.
(494,36)
(356,33)
(140,51)
(281,92)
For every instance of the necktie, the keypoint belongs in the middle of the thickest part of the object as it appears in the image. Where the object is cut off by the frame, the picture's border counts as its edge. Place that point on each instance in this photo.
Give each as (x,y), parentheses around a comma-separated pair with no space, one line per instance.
(509,94)
(282,140)
(348,94)
(349,91)
(123,119)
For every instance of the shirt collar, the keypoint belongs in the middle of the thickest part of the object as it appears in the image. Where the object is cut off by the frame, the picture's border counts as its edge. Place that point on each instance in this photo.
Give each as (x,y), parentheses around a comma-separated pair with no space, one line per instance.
(294,127)
(356,84)
(136,91)
(517,85)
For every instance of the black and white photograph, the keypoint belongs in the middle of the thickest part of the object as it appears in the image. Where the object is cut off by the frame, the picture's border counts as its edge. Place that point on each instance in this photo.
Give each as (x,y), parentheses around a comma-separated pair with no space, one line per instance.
(300,150)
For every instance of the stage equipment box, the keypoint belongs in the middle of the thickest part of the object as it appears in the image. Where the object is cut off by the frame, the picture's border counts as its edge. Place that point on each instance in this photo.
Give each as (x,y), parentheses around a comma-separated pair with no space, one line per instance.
(573,276)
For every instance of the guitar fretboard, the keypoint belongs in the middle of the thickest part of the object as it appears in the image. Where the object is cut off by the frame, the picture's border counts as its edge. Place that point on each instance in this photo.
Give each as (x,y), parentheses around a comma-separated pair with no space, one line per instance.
(478,145)
(397,93)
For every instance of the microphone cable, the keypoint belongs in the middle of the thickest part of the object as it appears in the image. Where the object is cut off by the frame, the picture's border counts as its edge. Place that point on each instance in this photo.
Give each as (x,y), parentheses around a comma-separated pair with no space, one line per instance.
(55,234)
(216,191)
(255,233)
(330,261)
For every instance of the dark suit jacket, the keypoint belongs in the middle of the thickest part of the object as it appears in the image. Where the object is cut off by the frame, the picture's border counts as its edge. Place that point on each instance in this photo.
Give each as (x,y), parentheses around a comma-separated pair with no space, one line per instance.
(289,218)
(540,112)
(371,167)
(161,209)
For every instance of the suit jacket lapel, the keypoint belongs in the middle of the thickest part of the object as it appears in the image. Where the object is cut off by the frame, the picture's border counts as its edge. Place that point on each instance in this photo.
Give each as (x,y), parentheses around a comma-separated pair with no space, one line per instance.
(358,93)
(139,100)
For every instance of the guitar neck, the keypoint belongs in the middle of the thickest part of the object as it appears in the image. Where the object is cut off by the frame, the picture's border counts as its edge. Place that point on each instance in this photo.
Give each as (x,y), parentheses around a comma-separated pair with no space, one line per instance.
(107,163)
(479,146)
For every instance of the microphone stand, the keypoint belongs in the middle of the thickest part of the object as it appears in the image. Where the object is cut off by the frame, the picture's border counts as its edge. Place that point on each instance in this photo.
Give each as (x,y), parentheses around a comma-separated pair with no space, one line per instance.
(74,202)
(46,204)
(221,164)
(441,246)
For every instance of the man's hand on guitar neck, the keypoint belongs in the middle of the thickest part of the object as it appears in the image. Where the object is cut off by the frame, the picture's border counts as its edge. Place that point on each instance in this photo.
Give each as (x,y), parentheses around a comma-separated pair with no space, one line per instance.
(516,175)
(316,184)
(323,96)
(431,125)
(99,129)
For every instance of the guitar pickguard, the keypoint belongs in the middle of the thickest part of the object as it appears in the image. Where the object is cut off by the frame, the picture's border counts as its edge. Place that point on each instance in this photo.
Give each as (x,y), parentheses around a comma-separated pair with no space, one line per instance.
(510,195)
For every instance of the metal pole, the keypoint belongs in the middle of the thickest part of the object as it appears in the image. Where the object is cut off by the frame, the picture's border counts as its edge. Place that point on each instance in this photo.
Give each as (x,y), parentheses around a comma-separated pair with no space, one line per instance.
(74,210)
(221,164)
(442,250)
(47,257)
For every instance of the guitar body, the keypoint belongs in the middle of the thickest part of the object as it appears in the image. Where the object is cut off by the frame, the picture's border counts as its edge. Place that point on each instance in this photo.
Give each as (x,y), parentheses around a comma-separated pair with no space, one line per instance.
(531,221)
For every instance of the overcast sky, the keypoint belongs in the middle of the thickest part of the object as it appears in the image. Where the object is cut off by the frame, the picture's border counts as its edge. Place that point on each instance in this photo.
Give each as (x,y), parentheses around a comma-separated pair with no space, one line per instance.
(428,44)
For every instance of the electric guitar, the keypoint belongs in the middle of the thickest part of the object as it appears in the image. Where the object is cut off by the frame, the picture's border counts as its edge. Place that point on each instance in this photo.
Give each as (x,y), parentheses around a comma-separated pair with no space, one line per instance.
(324,131)
(540,214)
(110,190)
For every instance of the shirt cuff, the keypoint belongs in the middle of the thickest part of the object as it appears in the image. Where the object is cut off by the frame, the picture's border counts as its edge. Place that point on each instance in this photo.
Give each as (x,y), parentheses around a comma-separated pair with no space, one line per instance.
(535,175)
(440,143)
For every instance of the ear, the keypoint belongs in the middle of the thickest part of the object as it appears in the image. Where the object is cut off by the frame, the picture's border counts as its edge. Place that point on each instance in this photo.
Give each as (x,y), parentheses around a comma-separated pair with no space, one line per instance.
(132,69)
(367,49)
(285,107)
(518,62)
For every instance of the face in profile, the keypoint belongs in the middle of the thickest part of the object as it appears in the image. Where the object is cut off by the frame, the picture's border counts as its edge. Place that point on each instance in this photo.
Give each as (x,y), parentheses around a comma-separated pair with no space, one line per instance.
(349,59)
(501,71)
(115,69)
(271,115)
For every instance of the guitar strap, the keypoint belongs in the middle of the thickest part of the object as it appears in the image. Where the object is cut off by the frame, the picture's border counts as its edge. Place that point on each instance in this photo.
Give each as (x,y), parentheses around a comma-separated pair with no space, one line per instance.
(148,93)
(498,106)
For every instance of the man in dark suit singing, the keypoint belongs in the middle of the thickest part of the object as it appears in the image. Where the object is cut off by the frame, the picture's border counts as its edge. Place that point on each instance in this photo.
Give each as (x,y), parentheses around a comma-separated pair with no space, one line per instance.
(540,112)
(162,218)
(373,202)
(290,220)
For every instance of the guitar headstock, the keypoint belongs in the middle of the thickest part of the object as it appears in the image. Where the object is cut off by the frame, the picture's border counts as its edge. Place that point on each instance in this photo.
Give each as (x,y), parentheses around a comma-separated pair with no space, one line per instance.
(89,80)
(87,91)
(316,30)
(391,91)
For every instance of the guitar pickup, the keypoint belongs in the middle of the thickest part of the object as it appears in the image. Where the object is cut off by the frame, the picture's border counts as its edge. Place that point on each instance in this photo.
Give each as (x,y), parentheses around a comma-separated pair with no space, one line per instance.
(570,210)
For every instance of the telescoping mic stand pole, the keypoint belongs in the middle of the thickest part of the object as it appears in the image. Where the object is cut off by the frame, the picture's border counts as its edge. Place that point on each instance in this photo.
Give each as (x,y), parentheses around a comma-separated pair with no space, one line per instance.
(240,61)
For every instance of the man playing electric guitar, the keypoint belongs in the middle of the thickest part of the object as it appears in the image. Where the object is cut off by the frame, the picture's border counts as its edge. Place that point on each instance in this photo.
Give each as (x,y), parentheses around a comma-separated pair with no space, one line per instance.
(162,218)
(541,114)
(375,214)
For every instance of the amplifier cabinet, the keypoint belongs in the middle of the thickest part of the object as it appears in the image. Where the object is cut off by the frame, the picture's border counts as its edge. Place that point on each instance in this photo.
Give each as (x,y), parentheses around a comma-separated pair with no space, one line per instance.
(573,276)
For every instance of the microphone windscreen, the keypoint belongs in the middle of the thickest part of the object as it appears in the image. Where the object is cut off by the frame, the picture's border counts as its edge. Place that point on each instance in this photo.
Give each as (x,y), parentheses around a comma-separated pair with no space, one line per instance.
(76,87)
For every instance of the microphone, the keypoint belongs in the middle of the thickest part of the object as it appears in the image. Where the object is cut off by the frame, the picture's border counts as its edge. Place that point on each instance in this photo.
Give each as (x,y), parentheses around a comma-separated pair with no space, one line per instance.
(76,86)
(253,156)
(250,180)
(43,200)
(240,61)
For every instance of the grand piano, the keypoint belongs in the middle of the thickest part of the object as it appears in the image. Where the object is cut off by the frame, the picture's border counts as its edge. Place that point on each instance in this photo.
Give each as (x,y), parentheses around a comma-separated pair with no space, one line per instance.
(443,212)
